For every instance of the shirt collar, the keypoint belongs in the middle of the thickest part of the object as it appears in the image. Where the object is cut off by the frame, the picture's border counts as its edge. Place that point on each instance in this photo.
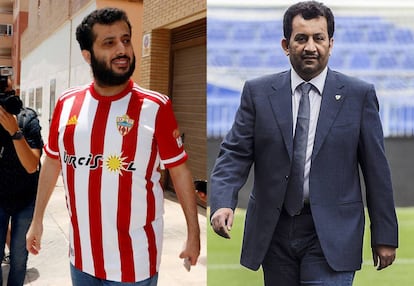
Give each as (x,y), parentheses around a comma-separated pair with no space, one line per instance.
(318,81)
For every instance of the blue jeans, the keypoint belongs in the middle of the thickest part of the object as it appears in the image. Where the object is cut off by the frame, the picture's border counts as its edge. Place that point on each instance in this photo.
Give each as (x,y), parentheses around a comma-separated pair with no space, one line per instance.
(20,223)
(80,278)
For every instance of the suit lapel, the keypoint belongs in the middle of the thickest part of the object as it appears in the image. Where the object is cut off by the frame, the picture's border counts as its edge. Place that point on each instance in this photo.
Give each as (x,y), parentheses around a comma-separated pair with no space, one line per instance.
(332,100)
(281,103)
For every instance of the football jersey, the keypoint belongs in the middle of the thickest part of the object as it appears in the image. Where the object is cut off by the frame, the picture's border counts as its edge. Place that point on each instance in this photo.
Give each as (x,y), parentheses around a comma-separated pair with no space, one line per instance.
(111,149)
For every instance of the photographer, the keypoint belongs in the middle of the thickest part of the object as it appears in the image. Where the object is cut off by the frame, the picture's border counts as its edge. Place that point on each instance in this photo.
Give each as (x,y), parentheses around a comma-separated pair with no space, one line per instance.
(20,151)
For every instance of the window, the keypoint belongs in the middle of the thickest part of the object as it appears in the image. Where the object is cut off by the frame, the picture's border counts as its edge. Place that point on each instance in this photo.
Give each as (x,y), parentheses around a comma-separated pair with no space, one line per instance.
(39,100)
(6,29)
(23,97)
(31,98)
(52,97)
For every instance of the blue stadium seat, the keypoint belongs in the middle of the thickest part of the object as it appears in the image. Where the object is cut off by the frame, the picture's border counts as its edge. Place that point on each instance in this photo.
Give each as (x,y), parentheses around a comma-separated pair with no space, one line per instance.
(387,61)
(403,35)
(220,58)
(378,35)
(350,36)
(357,23)
(276,59)
(218,31)
(244,32)
(271,32)
(360,60)
(252,60)
(407,61)
(337,61)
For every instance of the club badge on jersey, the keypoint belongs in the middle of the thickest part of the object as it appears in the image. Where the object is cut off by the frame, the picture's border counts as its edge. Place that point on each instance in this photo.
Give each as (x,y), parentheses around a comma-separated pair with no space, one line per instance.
(124,124)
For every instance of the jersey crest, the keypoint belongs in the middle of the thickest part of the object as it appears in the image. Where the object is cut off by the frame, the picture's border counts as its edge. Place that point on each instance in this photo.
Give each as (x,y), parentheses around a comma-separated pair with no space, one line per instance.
(124,124)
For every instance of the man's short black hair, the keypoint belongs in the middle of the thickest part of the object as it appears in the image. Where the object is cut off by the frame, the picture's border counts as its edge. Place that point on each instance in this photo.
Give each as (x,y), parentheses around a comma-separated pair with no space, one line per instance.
(105,16)
(308,10)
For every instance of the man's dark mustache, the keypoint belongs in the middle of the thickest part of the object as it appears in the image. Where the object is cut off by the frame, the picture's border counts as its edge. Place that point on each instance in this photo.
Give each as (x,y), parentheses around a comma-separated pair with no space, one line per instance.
(310,56)
(121,57)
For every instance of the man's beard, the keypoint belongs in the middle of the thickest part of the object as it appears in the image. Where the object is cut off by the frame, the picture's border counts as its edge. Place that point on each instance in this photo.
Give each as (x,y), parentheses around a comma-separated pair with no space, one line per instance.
(105,76)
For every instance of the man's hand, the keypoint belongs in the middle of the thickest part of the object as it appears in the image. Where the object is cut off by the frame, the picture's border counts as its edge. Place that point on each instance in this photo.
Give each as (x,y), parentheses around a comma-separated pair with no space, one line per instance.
(8,121)
(222,221)
(383,256)
(33,238)
(191,252)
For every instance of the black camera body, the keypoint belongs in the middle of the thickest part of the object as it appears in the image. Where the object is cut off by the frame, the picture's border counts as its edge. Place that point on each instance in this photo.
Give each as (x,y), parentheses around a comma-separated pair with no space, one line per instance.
(8,99)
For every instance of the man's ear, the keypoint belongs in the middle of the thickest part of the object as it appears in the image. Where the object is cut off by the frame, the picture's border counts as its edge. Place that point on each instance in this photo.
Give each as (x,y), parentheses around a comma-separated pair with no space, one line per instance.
(285,46)
(87,56)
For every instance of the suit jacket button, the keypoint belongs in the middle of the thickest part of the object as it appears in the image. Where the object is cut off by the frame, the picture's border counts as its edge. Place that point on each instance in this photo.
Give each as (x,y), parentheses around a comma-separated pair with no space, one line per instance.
(286,178)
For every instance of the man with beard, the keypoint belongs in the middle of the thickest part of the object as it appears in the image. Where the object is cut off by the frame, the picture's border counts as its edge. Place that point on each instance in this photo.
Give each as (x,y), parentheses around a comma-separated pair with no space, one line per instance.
(108,139)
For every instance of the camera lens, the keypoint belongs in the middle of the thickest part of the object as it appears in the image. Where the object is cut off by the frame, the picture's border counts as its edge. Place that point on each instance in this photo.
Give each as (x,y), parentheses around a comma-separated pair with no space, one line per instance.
(12,104)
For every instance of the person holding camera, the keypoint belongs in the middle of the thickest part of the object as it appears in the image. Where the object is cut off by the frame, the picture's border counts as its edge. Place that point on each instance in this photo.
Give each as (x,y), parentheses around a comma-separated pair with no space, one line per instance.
(20,150)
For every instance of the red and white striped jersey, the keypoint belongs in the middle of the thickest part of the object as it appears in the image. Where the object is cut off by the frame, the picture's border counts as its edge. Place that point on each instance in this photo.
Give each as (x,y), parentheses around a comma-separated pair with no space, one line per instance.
(110,150)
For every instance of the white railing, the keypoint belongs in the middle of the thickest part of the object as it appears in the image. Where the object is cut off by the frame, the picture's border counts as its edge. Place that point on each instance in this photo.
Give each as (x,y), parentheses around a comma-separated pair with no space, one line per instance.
(397,115)
(220,115)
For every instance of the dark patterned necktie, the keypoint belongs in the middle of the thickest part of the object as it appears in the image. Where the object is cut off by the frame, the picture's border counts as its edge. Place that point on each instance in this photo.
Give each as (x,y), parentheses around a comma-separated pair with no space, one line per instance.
(294,193)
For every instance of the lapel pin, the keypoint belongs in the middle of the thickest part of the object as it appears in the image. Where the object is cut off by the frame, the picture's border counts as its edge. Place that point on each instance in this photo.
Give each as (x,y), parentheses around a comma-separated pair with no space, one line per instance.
(337,97)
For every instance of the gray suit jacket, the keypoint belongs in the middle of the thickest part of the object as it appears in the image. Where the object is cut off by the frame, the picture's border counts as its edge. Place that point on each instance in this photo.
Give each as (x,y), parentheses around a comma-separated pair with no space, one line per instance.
(348,136)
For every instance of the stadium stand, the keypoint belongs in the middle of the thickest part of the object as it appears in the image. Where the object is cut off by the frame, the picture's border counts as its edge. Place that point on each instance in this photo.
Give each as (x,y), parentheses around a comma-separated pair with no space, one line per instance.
(372,47)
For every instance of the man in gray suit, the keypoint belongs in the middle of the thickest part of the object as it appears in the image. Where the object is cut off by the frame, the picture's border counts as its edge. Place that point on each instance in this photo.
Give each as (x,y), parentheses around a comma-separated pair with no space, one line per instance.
(312,236)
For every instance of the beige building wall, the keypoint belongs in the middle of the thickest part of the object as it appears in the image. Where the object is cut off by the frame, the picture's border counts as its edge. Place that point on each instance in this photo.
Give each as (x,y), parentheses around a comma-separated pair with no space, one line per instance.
(45,17)
(155,66)
(20,18)
(173,63)
(6,41)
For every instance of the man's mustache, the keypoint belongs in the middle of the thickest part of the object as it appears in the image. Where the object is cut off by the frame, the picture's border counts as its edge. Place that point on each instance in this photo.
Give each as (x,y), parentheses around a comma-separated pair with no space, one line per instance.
(121,57)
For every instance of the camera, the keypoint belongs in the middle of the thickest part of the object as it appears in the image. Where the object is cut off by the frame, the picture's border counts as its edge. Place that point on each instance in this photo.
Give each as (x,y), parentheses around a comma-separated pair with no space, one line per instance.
(8,99)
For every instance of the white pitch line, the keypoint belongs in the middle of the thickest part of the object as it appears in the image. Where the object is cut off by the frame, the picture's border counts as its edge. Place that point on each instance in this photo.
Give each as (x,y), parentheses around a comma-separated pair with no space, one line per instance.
(402,261)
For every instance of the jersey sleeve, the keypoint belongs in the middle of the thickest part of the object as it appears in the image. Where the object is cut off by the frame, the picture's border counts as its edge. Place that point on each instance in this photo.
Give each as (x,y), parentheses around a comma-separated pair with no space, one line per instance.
(168,137)
(51,147)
